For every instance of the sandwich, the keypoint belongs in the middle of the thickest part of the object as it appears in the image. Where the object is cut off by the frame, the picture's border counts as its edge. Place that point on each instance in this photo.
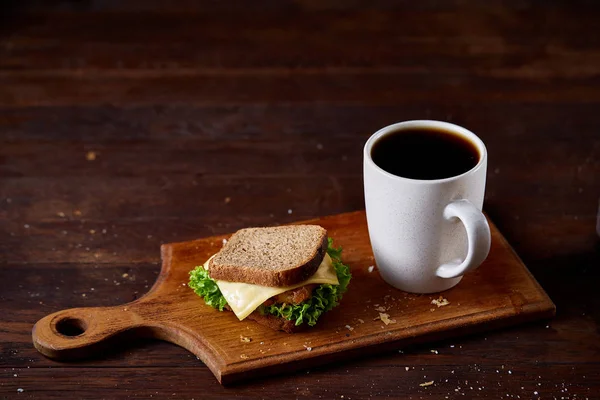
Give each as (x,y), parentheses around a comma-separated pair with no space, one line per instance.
(283,277)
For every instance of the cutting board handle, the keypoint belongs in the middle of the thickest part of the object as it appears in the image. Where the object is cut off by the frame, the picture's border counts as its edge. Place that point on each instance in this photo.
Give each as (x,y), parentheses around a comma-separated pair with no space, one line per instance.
(83,332)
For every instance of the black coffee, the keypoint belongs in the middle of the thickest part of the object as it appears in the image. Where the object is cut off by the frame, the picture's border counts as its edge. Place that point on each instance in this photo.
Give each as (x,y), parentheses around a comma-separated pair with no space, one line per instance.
(424,153)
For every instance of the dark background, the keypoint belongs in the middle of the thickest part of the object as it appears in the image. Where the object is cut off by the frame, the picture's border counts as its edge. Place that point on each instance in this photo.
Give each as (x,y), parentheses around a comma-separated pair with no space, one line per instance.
(127,124)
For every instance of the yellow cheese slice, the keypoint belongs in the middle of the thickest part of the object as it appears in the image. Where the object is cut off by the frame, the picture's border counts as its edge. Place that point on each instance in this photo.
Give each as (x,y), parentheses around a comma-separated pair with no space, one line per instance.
(244,298)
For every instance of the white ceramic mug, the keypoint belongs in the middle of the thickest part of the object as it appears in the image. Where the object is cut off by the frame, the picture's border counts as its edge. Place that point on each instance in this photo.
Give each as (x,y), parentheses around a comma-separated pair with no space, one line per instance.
(426,234)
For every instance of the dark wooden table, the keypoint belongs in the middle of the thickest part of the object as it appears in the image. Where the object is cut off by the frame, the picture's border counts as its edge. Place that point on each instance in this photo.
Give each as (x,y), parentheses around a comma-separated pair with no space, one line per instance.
(124,125)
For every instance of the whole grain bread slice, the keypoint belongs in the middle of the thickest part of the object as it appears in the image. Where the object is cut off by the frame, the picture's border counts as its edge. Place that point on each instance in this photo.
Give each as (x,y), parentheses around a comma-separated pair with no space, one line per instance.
(277,256)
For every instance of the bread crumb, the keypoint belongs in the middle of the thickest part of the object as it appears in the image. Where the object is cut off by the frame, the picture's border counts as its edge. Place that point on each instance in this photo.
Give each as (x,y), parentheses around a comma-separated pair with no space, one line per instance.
(307,347)
(371,268)
(434,351)
(83,295)
(243,356)
(385,318)
(349,328)
(440,302)
(90,156)
(125,275)
(406,368)
(424,384)
(245,339)
(289,211)
(432,309)
(224,242)
(380,309)
(77,213)
(20,390)
(60,214)
(361,321)
(227,200)
(92,231)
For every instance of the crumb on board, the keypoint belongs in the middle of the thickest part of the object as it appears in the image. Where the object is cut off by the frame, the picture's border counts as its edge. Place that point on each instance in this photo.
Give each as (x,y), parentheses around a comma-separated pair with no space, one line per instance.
(244,356)
(371,268)
(227,200)
(434,351)
(90,155)
(224,242)
(125,275)
(60,214)
(385,318)
(425,384)
(308,348)
(406,368)
(440,302)
(92,231)
(361,321)
(77,213)
(380,309)
(349,328)
(245,339)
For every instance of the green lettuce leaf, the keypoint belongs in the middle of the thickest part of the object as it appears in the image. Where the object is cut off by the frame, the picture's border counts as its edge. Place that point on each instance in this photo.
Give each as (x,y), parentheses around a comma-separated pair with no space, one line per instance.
(206,288)
(324,298)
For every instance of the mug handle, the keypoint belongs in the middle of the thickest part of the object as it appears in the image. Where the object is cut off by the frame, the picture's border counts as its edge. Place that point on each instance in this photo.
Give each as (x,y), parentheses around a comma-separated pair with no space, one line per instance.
(478,238)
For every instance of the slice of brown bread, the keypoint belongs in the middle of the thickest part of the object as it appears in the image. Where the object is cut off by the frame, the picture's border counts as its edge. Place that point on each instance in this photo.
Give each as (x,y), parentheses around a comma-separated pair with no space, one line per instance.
(278,256)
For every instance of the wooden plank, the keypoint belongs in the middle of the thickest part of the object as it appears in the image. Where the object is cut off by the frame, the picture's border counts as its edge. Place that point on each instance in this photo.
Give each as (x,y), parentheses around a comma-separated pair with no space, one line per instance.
(502,292)
(193,382)
(500,126)
(524,41)
(336,87)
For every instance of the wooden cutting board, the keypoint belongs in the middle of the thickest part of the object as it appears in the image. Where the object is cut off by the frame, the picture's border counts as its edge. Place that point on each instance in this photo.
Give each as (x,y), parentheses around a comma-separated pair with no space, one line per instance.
(499,293)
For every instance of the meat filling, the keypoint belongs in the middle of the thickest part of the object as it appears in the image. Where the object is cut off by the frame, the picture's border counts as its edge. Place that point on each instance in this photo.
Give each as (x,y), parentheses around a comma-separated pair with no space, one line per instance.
(294,296)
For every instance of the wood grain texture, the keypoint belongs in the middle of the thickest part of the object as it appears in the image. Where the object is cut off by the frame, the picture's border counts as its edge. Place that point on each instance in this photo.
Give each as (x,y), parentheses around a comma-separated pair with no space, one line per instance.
(188,103)
(502,292)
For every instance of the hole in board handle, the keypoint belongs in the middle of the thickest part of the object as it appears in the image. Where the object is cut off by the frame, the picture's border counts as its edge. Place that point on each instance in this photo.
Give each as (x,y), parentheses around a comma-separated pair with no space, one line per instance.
(71,327)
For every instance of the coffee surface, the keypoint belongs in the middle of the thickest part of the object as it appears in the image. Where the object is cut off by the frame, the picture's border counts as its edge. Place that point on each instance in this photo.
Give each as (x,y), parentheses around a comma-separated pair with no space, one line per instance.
(424,154)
